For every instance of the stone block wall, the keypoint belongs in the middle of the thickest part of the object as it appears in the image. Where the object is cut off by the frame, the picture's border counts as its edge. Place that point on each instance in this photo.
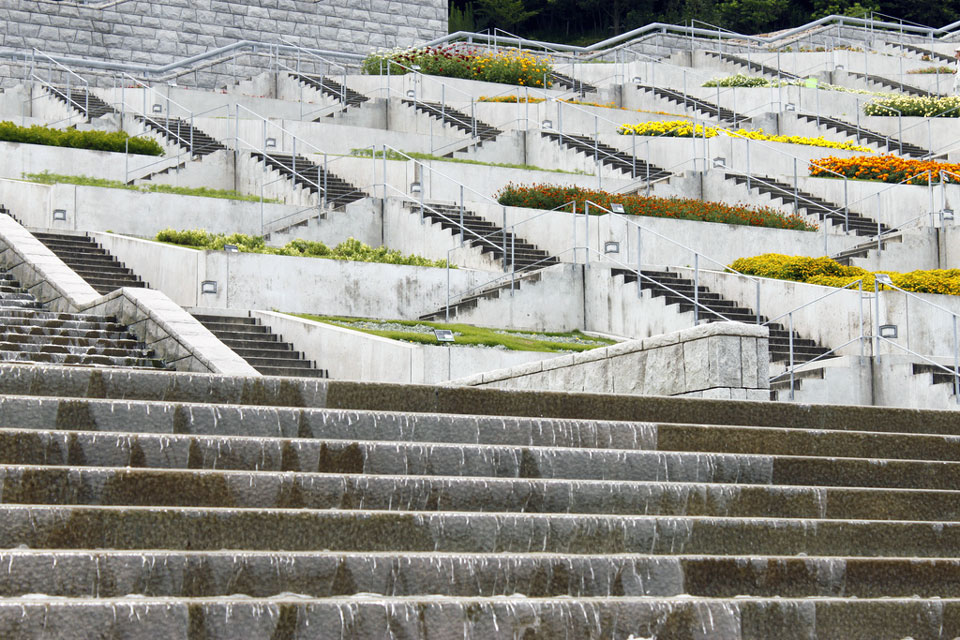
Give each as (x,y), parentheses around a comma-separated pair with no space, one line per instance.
(164,31)
(722,360)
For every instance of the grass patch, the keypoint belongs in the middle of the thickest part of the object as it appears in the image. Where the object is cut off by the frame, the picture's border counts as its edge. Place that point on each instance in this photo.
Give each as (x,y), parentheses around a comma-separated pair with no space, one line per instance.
(468,335)
(393,155)
(86,181)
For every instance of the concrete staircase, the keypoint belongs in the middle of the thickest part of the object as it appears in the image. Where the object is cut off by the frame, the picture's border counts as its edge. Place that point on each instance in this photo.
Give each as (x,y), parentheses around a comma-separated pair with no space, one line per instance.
(31,334)
(865,136)
(486,236)
(572,84)
(472,301)
(608,156)
(889,85)
(810,204)
(310,176)
(263,349)
(937,375)
(160,505)
(929,54)
(743,64)
(82,100)
(715,308)
(182,133)
(90,261)
(331,88)
(456,119)
(707,109)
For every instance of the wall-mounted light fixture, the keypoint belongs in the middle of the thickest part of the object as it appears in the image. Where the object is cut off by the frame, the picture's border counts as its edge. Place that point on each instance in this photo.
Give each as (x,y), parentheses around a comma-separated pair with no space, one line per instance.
(415,187)
(611,246)
(231,248)
(60,214)
(789,107)
(157,107)
(616,207)
(547,124)
(637,80)
(883,278)
(888,331)
(270,142)
(946,214)
(208,286)
(720,162)
(411,93)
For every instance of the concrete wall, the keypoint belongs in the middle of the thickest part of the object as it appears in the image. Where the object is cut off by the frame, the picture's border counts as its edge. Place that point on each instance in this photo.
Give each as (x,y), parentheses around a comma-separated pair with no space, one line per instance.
(297,285)
(354,355)
(721,360)
(158,33)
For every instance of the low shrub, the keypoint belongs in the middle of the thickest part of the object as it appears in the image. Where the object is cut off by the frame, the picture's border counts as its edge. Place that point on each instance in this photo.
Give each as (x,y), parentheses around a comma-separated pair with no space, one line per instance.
(457,61)
(739,80)
(829,273)
(349,249)
(93,140)
(922,106)
(544,196)
(885,168)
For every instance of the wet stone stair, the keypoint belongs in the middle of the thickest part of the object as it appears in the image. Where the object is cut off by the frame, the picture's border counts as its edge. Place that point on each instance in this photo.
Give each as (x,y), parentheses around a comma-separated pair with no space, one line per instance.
(81,100)
(485,236)
(263,349)
(708,109)
(178,506)
(310,176)
(811,205)
(90,261)
(31,334)
(181,133)
(865,136)
(609,156)
(679,291)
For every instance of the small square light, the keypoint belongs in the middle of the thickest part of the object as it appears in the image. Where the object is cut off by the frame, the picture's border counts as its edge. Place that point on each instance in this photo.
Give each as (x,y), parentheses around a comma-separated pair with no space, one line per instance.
(789,107)
(720,162)
(883,278)
(947,214)
(157,108)
(888,331)
(415,187)
(270,142)
(838,67)
(611,247)
(547,124)
(616,207)
(411,93)
(415,67)
(208,286)
(444,335)
(637,80)
(59,214)
(231,248)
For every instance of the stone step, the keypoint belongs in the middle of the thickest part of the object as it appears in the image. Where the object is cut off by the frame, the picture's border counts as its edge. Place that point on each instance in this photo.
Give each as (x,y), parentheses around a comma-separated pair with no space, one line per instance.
(185,574)
(295,372)
(500,618)
(280,484)
(194,528)
(90,359)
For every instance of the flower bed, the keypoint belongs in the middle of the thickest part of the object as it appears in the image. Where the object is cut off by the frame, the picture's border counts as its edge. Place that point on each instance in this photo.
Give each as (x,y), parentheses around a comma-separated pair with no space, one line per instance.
(685,129)
(545,196)
(456,61)
(933,70)
(739,80)
(829,273)
(93,140)
(349,249)
(886,168)
(924,107)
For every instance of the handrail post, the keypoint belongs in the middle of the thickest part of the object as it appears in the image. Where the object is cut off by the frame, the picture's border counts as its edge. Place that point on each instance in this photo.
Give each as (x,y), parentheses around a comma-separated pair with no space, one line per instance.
(846,208)
(504,235)
(325,199)
(796,189)
(792,372)
(956,361)
(757,283)
(461,215)
(696,289)
(639,261)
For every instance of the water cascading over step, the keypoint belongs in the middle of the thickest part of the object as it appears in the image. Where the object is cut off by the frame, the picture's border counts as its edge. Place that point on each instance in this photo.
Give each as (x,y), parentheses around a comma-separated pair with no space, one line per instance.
(31,334)
(141,504)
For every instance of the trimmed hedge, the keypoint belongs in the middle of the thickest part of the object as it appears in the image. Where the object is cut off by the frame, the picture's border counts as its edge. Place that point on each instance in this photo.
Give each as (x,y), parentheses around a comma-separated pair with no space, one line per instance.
(830,273)
(349,249)
(93,140)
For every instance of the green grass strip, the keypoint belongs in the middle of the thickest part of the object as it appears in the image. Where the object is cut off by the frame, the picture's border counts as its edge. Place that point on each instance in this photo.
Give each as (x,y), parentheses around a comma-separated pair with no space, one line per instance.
(86,181)
(393,155)
(469,335)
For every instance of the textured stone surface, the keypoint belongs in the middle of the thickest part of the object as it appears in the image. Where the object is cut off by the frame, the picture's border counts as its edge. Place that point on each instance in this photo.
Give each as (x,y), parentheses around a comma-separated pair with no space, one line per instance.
(163,32)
